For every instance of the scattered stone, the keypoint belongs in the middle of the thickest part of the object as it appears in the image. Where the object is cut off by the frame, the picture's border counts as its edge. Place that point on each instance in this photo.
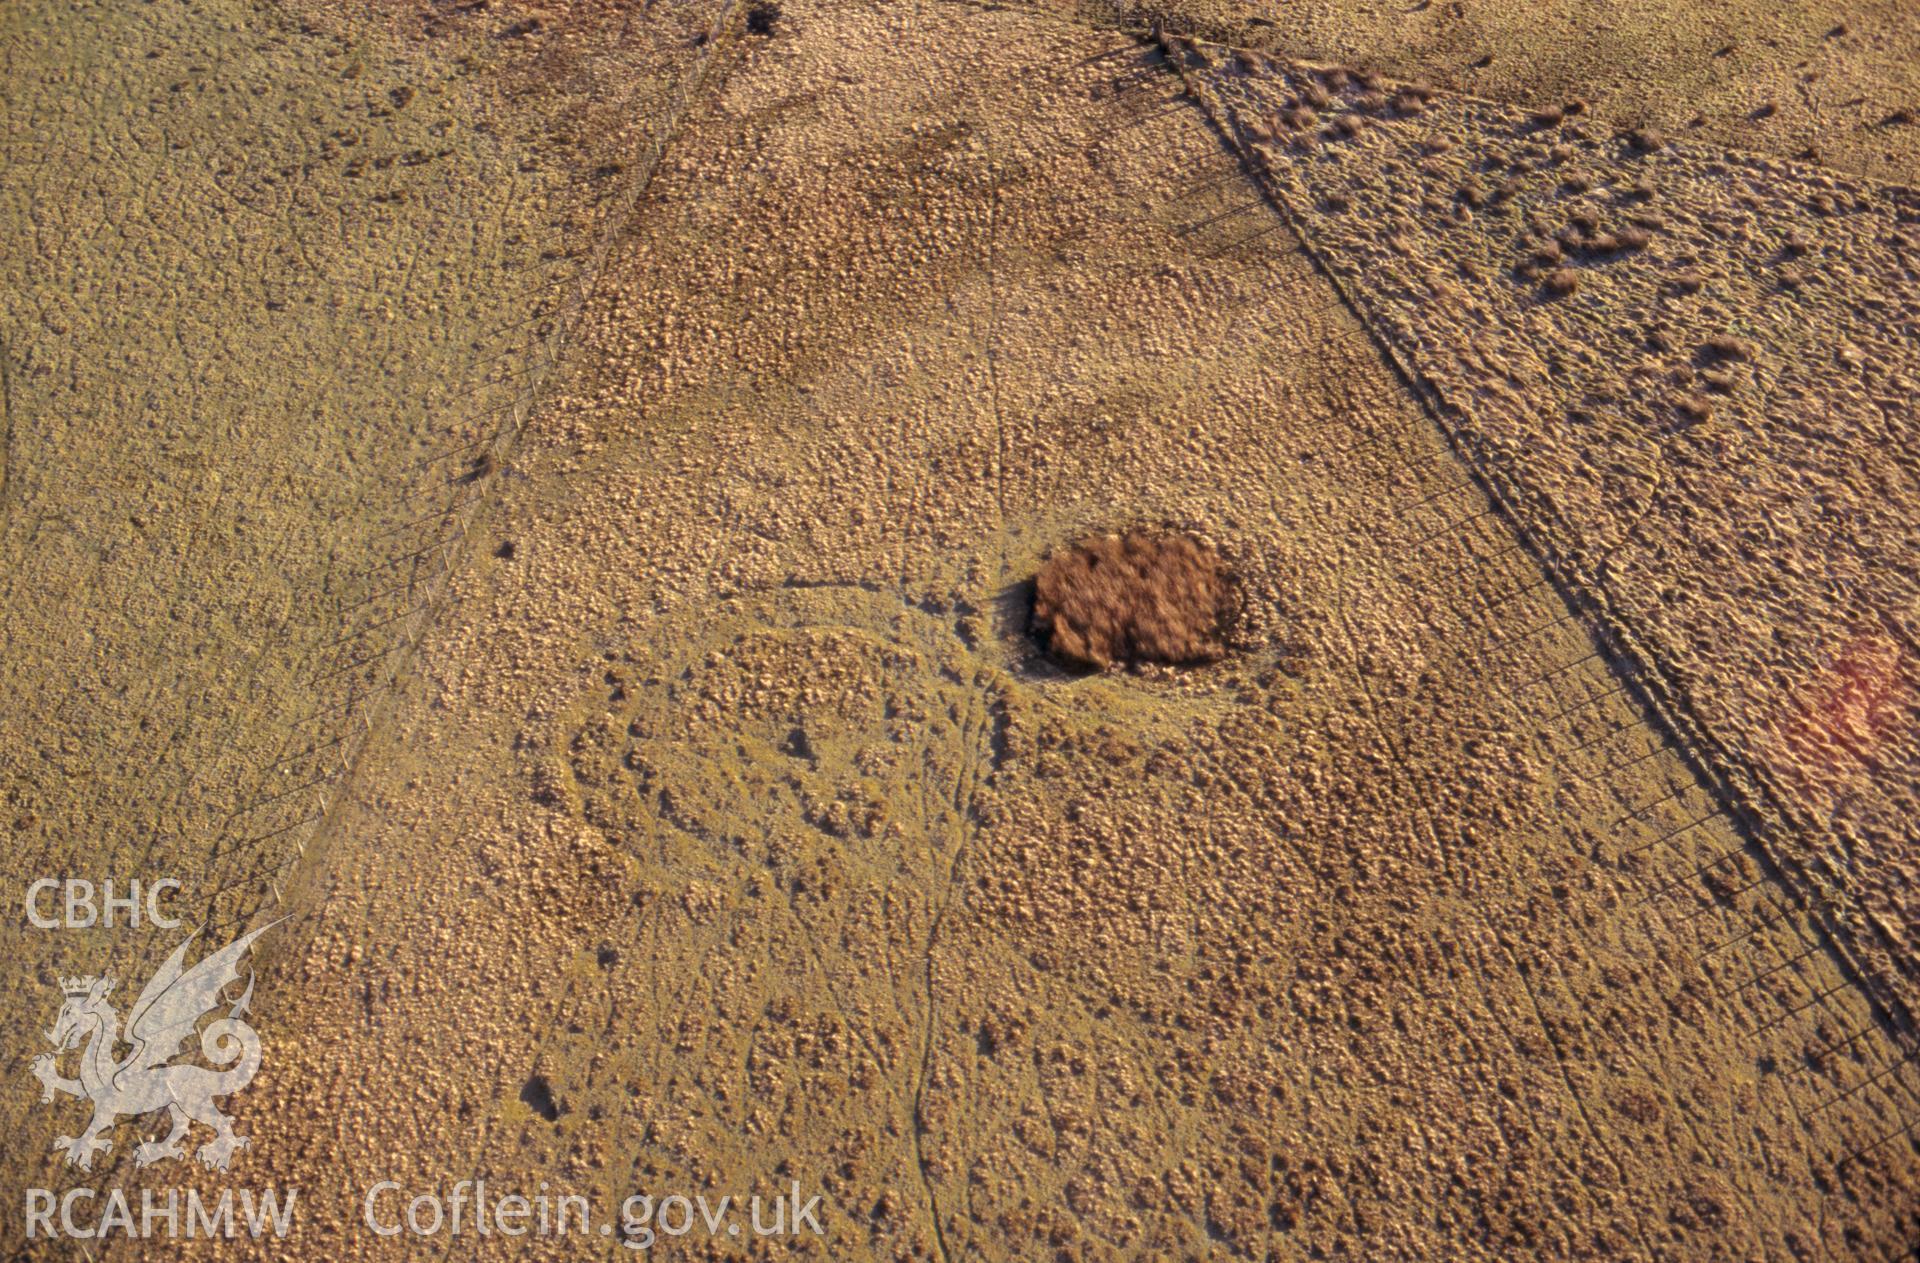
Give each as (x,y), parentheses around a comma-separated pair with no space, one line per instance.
(1562,281)
(1694,408)
(1725,346)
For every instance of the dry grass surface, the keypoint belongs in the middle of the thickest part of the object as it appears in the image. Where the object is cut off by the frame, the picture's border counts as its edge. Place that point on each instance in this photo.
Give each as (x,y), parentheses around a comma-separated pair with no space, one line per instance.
(1711,431)
(726,830)
(254,360)
(1141,597)
(778,856)
(1831,81)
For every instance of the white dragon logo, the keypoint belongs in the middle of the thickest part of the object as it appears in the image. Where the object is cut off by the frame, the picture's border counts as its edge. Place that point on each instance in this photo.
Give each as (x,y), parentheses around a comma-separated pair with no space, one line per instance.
(161,1020)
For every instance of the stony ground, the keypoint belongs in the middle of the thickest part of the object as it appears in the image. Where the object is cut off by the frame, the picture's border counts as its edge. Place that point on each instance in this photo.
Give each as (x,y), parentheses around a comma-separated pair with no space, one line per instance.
(1691,373)
(1830,81)
(281,289)
(723,827)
